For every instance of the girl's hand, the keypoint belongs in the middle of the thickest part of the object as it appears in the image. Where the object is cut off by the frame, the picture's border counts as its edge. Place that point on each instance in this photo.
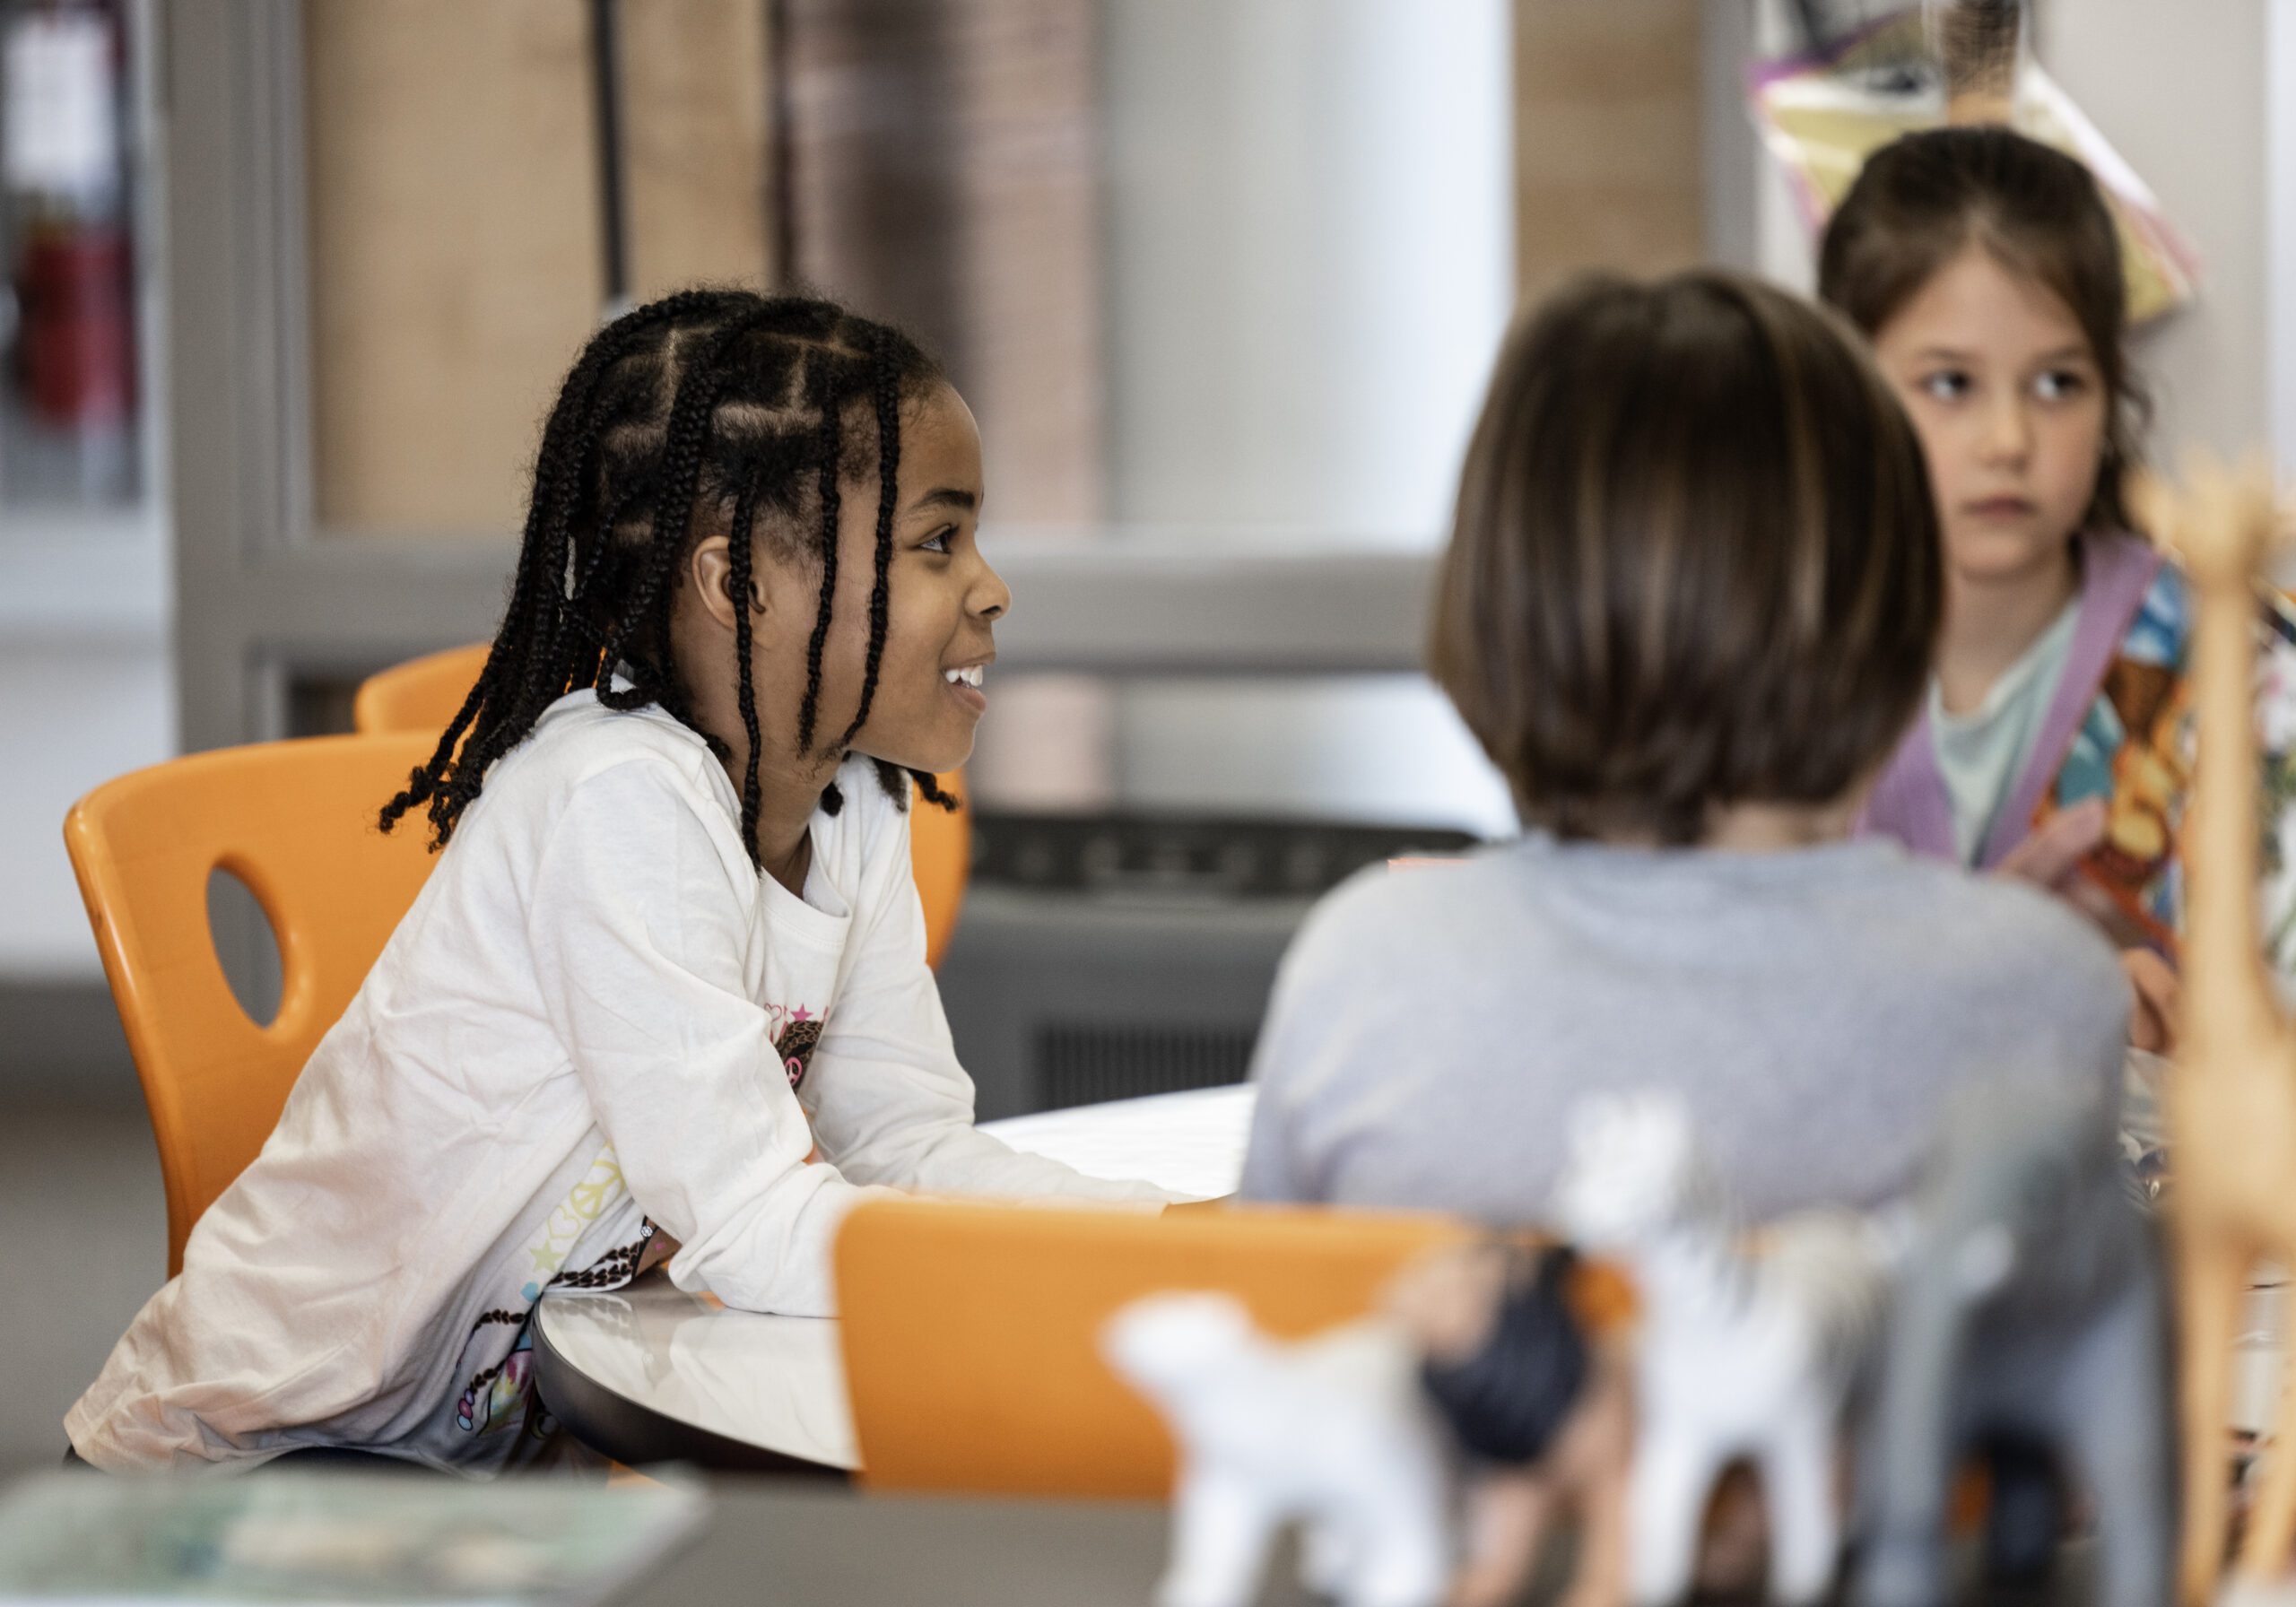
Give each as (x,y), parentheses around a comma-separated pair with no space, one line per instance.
(1191,1207)
(2051,856)
(2153,1016)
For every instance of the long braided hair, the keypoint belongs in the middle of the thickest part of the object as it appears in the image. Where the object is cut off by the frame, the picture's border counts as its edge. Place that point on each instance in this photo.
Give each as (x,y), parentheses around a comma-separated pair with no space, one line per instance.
(723,401)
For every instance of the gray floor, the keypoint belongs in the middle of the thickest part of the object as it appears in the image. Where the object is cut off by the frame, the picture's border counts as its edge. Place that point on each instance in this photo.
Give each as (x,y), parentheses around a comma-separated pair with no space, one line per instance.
(83,1245)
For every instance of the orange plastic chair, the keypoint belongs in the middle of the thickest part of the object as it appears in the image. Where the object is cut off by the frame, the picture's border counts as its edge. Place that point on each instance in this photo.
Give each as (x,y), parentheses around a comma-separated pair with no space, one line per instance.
(422,694)
(971,1332)
(295,821)
(939,858)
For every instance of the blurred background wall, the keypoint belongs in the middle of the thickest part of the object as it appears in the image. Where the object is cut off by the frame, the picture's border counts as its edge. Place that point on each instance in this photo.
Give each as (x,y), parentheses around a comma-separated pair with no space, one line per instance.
(1221,277)
(290,284)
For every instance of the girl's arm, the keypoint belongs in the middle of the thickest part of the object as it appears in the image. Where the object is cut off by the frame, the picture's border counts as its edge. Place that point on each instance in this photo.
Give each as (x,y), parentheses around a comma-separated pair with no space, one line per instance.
(889,1102)
(640,938)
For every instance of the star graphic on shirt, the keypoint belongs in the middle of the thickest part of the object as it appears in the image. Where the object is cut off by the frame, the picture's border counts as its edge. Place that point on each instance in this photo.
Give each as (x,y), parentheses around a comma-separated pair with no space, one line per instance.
(801,1014)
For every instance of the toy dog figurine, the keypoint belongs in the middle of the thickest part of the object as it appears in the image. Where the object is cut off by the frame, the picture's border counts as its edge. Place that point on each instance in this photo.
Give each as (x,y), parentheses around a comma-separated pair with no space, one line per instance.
(1332,1430)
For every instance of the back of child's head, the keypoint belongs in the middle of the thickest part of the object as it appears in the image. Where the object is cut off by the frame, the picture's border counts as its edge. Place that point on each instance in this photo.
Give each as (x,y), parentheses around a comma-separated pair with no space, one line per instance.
(730,410)
(1695,561)
(1927,197)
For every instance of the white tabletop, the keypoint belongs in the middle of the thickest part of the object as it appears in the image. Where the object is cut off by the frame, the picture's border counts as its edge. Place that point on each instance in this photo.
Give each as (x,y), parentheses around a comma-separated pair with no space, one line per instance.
(1192,1143)
(778,1383)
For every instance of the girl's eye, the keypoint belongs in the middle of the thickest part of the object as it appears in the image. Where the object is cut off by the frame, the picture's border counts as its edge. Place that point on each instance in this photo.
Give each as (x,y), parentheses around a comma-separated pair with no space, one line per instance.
(2059,384)
(1945,385)
(938,541)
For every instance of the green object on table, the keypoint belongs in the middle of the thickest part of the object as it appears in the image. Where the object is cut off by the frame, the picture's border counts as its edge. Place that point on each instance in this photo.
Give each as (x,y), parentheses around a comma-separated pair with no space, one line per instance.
(332,1537)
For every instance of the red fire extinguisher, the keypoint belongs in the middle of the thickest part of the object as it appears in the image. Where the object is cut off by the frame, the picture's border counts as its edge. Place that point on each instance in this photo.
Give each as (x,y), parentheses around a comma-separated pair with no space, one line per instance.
(75,357)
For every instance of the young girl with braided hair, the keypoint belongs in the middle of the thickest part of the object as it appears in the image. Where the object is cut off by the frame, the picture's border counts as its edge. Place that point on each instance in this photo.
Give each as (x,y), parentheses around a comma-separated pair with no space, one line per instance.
(672,952)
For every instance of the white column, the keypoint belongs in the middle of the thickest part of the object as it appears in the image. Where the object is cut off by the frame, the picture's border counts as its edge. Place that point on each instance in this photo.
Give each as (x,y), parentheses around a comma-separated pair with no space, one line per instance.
(2180,92)
(1310,263)
(2280,218)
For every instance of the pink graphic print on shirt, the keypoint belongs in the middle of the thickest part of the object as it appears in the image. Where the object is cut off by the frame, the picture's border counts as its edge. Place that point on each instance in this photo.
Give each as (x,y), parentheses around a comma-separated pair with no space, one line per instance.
(794,1032)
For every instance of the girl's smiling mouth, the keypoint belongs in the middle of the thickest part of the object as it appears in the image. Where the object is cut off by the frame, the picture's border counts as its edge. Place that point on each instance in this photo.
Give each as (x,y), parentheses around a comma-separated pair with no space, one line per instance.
(964,684)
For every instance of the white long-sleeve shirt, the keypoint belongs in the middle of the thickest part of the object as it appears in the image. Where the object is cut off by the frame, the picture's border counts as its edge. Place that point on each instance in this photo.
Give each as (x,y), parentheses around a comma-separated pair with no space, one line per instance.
(597,1015)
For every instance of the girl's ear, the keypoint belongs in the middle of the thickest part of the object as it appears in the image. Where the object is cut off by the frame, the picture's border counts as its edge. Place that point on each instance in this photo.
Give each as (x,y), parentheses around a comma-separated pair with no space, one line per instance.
(710,568)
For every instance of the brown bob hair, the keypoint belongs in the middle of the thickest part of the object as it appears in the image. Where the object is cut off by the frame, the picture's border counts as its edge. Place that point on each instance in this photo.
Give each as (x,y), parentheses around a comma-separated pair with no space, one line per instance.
(1923,198)
(1695,561)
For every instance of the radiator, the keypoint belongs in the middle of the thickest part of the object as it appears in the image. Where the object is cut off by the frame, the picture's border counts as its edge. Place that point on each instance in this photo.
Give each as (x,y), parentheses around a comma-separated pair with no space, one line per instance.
(1108,958)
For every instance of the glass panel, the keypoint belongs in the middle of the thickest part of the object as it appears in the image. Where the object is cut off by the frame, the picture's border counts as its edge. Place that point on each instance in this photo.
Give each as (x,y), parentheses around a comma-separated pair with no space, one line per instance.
(456,244)
(1200,266)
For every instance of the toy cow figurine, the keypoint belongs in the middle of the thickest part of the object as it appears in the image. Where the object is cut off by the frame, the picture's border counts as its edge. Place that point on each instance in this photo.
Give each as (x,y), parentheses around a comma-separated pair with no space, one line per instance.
(2031,1306)
(1332,1430)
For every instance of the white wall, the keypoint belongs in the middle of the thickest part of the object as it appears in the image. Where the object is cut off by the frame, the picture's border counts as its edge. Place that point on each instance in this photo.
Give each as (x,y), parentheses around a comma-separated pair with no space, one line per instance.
(1308,235)
(2279,243)
(2179,90)
(86,602)
(81,707)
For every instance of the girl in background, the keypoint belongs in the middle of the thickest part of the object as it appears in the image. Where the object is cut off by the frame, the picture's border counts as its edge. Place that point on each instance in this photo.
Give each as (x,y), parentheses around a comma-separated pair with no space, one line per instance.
(2054,740)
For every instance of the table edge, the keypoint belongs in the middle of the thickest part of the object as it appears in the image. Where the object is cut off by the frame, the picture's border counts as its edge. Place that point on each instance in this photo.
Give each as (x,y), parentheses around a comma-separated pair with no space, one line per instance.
(615,1426)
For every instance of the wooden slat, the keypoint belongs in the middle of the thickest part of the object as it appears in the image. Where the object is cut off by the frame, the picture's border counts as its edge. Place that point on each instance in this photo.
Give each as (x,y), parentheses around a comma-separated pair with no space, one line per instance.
(1607,143)
(455,256)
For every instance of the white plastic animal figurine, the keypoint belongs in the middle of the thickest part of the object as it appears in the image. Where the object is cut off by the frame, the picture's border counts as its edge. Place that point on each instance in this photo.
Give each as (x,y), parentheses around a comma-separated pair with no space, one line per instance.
(1332,1430)
(1740,1352)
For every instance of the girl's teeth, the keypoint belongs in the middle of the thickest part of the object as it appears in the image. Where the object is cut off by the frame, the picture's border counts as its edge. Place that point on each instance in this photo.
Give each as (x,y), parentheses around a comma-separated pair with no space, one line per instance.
(971,677)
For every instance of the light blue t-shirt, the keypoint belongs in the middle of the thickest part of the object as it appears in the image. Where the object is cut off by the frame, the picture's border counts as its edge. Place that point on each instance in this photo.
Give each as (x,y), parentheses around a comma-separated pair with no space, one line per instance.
(1983,753)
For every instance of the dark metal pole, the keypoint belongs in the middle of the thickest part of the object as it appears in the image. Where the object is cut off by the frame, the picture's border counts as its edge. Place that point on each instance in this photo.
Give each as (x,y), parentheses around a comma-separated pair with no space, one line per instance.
(605,88)
(1814,32)
(781,128)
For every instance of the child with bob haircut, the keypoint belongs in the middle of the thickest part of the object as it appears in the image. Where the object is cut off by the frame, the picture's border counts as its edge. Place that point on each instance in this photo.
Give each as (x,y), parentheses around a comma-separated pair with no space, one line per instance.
(665,997)
(1688,610)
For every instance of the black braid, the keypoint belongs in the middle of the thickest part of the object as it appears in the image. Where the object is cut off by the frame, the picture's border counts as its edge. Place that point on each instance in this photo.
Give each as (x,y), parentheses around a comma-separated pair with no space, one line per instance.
(886,391)
(522,651)
(928,787)
(737,553)
(832,452)
(424,784)
(691,415)
(897,782)
(705,399)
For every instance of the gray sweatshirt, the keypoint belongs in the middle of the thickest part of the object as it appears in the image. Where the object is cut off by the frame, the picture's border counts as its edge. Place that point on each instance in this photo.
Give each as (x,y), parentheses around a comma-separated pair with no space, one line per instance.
(1432,1027)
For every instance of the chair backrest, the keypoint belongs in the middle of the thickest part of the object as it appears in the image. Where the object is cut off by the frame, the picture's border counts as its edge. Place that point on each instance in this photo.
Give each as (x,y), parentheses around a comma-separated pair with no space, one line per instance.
(422,694)
(940,856)
(971,1332)
(295,821)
